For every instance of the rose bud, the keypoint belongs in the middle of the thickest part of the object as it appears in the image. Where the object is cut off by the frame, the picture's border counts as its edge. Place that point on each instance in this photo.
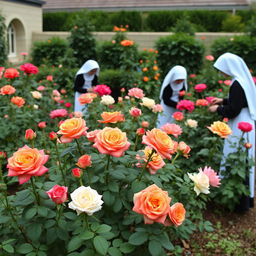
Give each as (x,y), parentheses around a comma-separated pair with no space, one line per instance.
(77,172)
(58,194)
(30,134)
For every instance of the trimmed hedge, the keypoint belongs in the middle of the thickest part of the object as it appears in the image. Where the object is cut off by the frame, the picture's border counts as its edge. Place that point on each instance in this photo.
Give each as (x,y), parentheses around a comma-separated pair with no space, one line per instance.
(180,49)
(244,46)
(3,47)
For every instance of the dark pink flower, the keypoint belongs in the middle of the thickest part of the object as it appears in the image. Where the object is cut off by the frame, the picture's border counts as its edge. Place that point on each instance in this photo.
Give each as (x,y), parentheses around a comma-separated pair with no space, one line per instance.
(58,113)
(102,89)
(186,105)
(29,68)
(244,126)
(200,87)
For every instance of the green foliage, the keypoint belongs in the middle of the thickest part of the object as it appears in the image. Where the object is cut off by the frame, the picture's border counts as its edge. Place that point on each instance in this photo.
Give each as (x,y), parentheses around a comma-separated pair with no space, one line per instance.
(244,46)
(179,49)
(82,41)
(59,21)
(184,26)
(251,27)
(232,23)
(49,52)
(3,47)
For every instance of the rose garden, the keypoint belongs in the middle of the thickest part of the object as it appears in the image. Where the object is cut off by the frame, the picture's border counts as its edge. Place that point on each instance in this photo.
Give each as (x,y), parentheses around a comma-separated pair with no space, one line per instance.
(108,182)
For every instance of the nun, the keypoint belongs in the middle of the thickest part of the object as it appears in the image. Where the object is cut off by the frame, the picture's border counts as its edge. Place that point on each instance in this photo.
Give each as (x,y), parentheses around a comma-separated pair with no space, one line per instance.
(240,106)
(86,78)
(174,82)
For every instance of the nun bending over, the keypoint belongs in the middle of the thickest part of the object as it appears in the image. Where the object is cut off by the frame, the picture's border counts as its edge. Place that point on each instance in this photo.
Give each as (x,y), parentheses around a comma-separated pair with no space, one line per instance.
(174,82)
(240,106)
(86,78)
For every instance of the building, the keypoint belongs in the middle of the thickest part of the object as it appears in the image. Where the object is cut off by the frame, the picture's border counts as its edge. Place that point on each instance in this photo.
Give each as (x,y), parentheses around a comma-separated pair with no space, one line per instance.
(22,18)
(144,5)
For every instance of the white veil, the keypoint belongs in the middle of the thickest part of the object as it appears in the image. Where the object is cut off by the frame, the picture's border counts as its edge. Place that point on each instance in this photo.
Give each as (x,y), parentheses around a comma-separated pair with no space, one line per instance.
(176,73)
(88,66)
(235,67)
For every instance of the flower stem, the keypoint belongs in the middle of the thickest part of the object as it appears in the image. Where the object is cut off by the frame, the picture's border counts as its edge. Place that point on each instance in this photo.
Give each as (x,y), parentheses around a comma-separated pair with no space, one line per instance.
(34,191)
(145,166)
(60,165)
(107,167)
(86,224)
(177,155)
(136,142)
(78,147)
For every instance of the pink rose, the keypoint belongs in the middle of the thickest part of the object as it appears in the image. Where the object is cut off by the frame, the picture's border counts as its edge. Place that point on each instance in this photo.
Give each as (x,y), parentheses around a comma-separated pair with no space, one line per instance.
(58,194)
(136,92)
(200,87)
(244,126)
(135,112)
(214,179)
(172,129)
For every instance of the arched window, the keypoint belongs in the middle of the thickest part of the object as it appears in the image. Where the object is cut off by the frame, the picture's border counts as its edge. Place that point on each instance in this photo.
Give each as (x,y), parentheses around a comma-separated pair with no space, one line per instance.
(11,38)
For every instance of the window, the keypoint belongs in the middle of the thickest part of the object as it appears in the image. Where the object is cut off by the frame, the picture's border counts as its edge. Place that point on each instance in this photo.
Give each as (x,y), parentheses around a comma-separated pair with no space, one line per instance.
(11,39)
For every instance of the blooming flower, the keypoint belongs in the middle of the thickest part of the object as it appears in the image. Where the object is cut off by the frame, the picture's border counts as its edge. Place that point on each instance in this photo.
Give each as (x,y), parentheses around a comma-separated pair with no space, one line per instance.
(41,125)
(157,108)
(36,95)
(200,87)
(172,129)
(147,102)
(209,57)
(111,141)
(111,117)
(178,116)
(27,162)
(127,43)
(11,73)
(153,203)
(136,92)
(135,112)
(86,98)
(201,182)
(102,89)
(29,68)
(85,199)
(84,161)
(7,90)
(160,142)
(62,112)
(91,135)
(244,126)
(191,123)
(30,134)
(18,101)
(220,128)
(214,179)
(185,105)
(58,194)
(176,214)
(183,148)
(107,100)
(202,102)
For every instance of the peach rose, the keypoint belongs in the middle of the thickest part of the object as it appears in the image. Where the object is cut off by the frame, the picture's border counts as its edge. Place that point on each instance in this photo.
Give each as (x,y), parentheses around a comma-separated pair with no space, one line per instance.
(111,117)
(111,141)
(156,161)
(184,149)
(220,128)
(18,101)
(172,129)
(136,92)
(157,108)
(178,116)
(153,203)
(72,128)
(86,98)
(176,214)
(27,162)
(135,112)
(7,90)
(160,141)
(84,161)
(91,135)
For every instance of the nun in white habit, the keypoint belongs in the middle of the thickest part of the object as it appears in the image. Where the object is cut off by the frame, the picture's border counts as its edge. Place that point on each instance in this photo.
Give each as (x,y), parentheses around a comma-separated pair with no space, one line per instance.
(86,78)
(174,82)
(240,106)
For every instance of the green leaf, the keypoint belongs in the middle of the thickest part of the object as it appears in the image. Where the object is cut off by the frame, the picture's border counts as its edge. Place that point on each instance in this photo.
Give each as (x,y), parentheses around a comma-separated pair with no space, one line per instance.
(103,228)
(34,231)
(70,215)
(114,251)
(117,205)
(74,243)
(138,186)
(25,248)
(8,248)
(165,241)
(4,219)
(108,198)
(113,186)
(118,175)
(117,242)
(86,235)
(101,245)
(126,248)
(138,238)
(42,211)
(155,248)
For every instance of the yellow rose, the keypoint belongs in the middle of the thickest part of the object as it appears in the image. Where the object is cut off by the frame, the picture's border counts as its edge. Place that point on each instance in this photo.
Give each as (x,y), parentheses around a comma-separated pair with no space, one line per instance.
(220,128)
(191,123)
(201,181)
(36,95)
(107,100)
(147,102)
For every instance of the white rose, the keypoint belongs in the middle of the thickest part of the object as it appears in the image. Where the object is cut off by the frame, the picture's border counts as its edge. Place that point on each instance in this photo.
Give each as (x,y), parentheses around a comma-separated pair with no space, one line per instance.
(85,199)
(35,106)
(191,123)
(201,181)
(107,100)
(36,95)
(147,102)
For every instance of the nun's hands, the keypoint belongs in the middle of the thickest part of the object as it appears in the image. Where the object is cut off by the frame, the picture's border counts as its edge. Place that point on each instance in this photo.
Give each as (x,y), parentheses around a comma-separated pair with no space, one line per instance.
(217,101)
(213,108)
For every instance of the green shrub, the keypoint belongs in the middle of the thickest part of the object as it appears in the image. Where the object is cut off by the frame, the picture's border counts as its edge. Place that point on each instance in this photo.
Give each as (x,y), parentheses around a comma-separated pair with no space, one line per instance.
(112,55)
(233,23)
(50,51)
(251,27)
(58,21)
(184,26)
(162,21)
(244,46)
(179,49)
(82,41)
(3,55)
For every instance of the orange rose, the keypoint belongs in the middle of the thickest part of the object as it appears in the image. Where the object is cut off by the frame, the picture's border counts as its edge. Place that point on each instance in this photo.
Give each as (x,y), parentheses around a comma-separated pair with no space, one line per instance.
(155,68)
(145,79)
(160,141)
(19,101)
(220,128)
(111,117)
(7,90)
(91,135)
(11,73)
(72,128)
(84,161)
(86,98)
(27,162)
(153,203)
(178,116)
(184,149)
(156,161)
(127,43)
(176,214)
(111,141)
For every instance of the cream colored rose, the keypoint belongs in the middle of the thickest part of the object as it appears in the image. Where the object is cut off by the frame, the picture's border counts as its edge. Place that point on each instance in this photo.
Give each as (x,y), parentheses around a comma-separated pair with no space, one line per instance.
(85,199)
(191,123)
(107,100)
(36,95)
(35,106)
(201,181)
(147,102)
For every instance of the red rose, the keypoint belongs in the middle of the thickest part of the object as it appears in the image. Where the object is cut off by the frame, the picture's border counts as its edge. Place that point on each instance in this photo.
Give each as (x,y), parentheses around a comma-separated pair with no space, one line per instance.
(244,126)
